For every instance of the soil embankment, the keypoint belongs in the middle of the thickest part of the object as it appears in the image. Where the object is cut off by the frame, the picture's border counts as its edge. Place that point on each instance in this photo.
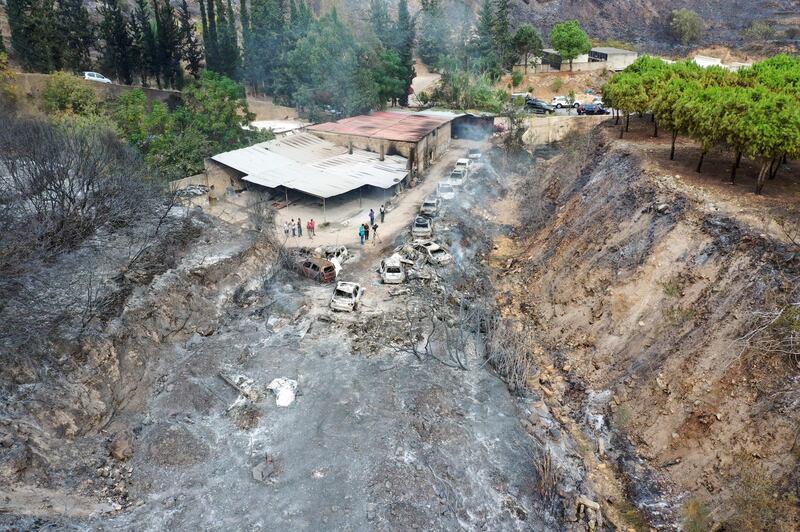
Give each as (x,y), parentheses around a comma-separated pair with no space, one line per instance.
(643,300)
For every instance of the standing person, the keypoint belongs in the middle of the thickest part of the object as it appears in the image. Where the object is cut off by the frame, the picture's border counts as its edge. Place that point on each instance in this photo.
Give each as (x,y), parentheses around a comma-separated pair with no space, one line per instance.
(313,227)
(383,212)
(286,229)
(310,228)
(299,228)
(294,228)
(361,233)
(371,217)
(366,232)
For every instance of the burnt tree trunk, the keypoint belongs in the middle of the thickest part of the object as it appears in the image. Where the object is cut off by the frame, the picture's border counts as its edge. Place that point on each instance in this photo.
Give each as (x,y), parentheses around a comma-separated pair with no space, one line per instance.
(655,128)
(672,150)
(773,168)
(616,117)
(700,162)
(736,166)
(627,121)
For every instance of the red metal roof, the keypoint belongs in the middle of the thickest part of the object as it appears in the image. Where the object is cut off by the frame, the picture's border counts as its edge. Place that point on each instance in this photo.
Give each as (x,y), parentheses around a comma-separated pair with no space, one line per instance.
(404,127)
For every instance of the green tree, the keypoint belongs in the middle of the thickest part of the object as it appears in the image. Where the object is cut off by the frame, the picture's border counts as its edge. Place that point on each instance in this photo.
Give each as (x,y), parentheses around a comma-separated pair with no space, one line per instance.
(405,35)
(569,39)
(486,57)
(527,42)
(686,26)
(118,51)
(269,33)
(378,13)
(76,33)
(33,33)
(8,96)
(502,35)
(168,45)
(433,33)
(759,31)
(143,42)
(191,51)
(389,76)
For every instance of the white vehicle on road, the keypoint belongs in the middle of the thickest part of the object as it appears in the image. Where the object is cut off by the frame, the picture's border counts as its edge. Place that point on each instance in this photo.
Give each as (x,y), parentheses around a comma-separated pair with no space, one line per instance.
(346,296)
(422,227)
(392,270)
(465,165)
(94,76)
(474,154)
(561,102)
(445,190)
(457,177)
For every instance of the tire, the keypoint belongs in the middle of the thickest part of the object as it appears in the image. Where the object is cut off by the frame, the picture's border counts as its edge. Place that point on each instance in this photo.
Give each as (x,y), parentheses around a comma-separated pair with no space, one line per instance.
(576,105)
(558,106)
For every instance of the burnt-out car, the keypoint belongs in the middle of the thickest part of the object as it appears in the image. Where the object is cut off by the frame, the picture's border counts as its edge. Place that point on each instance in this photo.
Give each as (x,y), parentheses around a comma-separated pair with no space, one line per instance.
(321,270)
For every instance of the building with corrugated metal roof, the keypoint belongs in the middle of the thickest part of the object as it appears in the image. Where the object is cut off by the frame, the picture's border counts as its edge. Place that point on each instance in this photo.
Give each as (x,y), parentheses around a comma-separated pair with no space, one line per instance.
(304,163)
(421,138)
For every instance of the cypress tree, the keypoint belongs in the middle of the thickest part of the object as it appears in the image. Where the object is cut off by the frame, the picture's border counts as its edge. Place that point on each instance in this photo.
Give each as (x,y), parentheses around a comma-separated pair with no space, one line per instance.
(381,24)
(244,17)
(228,51)
(404,44)
(117,47)
(190,46)
(502,36)
(144,41)
(33,33)
(168,45)
(76,33)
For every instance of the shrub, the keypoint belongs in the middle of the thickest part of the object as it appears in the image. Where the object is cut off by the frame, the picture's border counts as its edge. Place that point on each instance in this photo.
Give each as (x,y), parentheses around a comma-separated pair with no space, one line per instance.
(557,85)
(759,31)
(686,26)
(65,93)
(696,517)
(516,78)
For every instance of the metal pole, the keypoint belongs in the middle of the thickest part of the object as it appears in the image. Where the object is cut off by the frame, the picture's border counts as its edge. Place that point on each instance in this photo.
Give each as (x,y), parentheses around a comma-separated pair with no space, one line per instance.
(324,213)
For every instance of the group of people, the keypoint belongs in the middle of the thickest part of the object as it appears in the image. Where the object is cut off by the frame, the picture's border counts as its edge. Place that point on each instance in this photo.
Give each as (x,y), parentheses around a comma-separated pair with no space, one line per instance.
(364,229)
(296,228)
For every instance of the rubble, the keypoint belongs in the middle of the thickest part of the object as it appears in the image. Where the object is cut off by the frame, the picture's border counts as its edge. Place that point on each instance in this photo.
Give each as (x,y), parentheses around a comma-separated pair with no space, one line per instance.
(284,390)
(242,384)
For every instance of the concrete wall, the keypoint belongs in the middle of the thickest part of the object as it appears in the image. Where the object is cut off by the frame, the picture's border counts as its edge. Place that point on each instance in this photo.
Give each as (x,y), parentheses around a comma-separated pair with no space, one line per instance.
(265,109)
(544,130)
(425,151)
(30,86)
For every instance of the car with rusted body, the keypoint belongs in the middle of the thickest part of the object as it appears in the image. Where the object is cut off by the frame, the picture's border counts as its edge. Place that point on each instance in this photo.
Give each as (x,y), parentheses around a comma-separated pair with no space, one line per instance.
(318,269)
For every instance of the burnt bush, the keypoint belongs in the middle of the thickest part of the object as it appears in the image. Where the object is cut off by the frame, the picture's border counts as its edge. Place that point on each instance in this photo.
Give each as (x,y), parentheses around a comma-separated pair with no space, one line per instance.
(77,208)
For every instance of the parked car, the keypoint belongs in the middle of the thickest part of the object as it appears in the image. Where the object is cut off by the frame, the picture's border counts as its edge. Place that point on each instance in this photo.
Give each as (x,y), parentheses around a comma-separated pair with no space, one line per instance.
(465,164)
(598,101)
(346,297)
(339,253)
(392,270)
(430,207)
(561,102)
(592,109)
(434,253)
(445,190)
(94,76)
(474,154)
(321,270)
(539,107)
(457,177)
(422,227)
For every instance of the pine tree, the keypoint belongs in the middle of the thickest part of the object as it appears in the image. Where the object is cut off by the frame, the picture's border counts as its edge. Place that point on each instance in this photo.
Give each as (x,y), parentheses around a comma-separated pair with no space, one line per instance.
(117,47)
(228,52)
(143,41)
(168,45)
(33,33)
(380,21)
(502,36)
(190,46)
(486,58)
(405,35)
(76,34)
(268,26)
(433,35)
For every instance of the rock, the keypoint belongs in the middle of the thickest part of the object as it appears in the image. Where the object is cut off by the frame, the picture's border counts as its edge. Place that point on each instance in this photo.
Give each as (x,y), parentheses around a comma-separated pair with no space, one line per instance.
(121,446)
(260,472)
(662,208)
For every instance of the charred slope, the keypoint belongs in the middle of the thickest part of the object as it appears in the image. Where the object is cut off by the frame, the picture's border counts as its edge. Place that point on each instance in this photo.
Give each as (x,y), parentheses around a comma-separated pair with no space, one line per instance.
(642,299)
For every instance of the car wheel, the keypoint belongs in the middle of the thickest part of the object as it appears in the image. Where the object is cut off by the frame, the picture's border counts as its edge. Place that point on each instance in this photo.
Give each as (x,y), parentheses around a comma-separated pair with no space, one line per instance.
(558,106)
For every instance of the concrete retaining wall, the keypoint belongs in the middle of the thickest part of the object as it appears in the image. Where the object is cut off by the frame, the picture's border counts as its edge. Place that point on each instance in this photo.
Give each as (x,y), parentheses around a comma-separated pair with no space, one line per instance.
(544,130)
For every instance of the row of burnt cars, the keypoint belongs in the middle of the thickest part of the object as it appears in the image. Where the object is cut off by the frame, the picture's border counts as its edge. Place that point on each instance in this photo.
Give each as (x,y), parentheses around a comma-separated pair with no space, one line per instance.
(410,261)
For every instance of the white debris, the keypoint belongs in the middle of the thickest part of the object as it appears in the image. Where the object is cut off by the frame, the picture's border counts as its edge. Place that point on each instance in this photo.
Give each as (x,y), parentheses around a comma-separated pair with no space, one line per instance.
(283,389)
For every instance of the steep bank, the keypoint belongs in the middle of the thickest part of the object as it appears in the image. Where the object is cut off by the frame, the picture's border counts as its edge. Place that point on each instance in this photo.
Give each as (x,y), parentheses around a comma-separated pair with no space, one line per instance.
(641,298)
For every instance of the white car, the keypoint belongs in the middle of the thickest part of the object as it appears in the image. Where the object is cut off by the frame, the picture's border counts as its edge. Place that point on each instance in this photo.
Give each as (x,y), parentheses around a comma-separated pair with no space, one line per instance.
(422,227)
(561,102)
(435,253)
(430,207)
(94,76)
(474,154)
(464,164)
(392,270)
(346,296)
(457,177)
(445,190)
